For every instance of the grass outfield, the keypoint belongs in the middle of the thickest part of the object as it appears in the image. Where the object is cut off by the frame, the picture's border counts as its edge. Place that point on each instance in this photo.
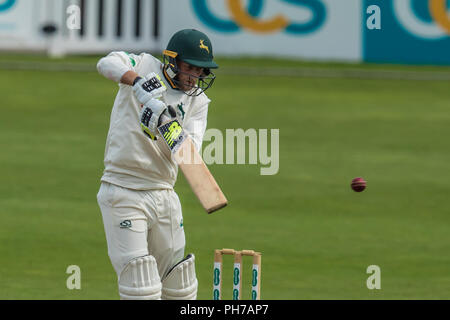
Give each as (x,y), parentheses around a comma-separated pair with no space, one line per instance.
(317,236)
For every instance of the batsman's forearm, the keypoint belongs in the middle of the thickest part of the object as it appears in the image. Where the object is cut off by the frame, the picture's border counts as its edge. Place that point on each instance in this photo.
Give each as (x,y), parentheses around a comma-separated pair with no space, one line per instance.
(129,77)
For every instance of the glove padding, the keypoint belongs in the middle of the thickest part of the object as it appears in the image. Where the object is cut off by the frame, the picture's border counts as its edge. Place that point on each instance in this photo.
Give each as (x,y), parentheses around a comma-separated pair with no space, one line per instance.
(149,87)
(151,114)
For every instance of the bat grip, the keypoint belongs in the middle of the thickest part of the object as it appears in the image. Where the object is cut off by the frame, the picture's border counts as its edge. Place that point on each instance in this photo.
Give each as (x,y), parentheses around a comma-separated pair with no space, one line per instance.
(163,118)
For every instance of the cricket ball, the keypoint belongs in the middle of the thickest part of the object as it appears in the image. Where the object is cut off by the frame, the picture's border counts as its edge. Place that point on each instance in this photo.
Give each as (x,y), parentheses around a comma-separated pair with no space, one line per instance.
(358,184)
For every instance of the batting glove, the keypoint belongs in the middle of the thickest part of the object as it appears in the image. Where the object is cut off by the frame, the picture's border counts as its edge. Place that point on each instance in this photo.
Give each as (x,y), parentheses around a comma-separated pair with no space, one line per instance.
(150,117)
(148,88)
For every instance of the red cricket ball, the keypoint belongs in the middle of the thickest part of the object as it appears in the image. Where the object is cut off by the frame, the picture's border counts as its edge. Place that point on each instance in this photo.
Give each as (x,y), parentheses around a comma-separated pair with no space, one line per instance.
(358,184)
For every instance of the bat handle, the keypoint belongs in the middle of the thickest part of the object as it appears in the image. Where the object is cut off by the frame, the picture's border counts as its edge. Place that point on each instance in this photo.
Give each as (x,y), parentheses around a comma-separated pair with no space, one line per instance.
(163,118)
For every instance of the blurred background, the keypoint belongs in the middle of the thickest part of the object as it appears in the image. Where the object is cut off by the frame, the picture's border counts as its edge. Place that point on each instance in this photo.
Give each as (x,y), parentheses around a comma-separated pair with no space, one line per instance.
(355,87)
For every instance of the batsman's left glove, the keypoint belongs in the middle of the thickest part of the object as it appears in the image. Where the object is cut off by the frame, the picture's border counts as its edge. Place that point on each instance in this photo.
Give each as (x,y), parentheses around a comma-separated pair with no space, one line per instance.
(151,114)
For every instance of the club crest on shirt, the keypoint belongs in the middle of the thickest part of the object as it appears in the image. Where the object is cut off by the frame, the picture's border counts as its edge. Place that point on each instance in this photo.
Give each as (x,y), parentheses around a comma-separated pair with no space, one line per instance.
(181,111)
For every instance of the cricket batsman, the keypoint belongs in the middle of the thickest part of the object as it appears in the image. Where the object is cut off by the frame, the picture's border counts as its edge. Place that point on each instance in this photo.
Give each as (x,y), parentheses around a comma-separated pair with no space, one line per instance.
(141,212)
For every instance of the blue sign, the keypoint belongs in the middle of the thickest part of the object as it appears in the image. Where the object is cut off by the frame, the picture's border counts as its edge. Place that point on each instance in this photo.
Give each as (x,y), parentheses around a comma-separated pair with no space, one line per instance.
(247,18)
(412,32)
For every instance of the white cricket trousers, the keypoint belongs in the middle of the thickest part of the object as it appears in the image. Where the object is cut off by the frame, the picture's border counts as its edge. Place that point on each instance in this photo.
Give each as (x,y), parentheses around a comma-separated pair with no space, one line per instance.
(139,223)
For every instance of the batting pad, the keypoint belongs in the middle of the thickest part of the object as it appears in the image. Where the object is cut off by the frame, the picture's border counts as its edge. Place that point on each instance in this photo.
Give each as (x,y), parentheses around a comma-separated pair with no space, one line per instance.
(181,282)
(140,280)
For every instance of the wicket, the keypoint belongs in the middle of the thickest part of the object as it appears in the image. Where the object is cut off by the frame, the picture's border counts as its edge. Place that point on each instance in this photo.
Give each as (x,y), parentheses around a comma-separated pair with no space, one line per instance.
(237,273)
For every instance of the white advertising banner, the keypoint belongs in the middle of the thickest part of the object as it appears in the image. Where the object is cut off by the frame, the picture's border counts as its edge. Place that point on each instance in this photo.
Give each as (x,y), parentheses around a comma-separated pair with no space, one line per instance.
(78,26)
(15,23)
(314,29)
(311,29)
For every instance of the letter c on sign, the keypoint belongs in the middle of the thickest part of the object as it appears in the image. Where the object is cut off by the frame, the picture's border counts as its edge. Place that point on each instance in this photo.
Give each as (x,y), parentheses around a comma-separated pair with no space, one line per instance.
(438,9)
(6,5)
(247,21)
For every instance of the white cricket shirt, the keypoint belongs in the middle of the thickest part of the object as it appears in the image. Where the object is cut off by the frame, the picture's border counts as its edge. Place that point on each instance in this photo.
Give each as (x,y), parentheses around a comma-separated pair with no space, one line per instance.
(132,160)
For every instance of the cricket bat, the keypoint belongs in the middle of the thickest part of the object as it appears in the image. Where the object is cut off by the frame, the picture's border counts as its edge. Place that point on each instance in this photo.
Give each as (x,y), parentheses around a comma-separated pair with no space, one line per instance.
(192,165)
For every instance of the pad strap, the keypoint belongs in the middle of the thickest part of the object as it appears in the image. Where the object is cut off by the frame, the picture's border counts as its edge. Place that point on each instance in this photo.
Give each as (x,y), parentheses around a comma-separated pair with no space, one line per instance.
(181,281)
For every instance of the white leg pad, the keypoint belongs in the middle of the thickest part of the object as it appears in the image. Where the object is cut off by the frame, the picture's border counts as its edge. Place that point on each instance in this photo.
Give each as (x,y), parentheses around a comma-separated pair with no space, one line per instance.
(140,280)
(181,282)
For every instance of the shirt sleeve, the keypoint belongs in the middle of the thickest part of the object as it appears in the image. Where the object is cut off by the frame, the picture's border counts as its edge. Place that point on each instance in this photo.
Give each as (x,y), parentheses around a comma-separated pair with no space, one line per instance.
(196,126)
(117,63)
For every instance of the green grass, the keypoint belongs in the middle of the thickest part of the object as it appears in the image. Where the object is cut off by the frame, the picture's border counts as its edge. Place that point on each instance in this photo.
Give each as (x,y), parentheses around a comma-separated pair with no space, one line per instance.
(317,236)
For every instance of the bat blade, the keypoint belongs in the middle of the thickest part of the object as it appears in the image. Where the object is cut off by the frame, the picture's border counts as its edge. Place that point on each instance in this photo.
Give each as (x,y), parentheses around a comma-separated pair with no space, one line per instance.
(193,167)
(199,177)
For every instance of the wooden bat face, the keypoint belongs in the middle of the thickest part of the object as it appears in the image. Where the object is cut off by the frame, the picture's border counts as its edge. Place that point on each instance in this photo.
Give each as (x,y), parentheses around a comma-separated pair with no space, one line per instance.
(193,167)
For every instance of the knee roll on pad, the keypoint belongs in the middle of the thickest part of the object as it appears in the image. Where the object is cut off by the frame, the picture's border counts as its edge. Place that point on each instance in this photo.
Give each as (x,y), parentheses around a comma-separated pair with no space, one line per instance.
(139,280)
(181,282)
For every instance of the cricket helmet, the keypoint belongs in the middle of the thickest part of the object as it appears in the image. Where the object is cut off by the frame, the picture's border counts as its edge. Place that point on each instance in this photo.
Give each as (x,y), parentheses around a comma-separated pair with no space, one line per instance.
(193,47)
